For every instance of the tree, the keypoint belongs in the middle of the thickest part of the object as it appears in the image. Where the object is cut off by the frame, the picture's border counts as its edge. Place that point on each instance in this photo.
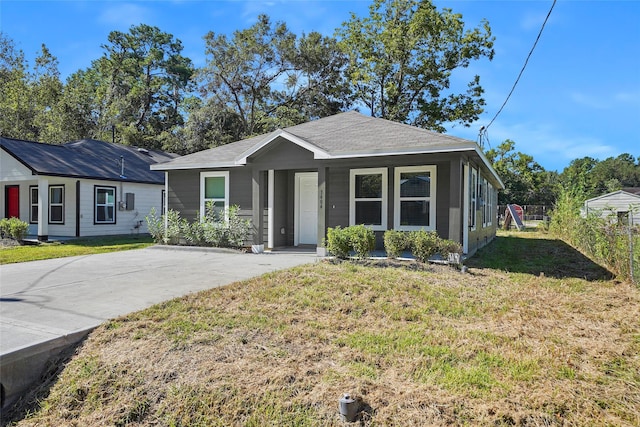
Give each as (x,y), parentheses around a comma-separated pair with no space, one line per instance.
(15,111)
(401,59)
(588,177)
(526,182)
(265,77)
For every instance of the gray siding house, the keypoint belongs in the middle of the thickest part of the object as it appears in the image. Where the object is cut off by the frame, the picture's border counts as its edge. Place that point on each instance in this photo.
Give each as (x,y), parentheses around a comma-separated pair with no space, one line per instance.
(343,170)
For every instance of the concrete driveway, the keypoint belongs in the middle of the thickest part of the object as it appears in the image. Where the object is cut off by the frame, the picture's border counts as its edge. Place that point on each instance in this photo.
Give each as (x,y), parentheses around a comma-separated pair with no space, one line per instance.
(48,304)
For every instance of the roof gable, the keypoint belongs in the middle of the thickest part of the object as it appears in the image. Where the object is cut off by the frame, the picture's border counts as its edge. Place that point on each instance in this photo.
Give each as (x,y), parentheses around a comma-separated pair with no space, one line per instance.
(88,158)
(341,136)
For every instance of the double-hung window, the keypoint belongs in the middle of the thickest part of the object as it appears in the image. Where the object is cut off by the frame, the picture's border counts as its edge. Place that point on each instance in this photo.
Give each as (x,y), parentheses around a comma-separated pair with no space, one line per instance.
(105,205)
(473,207)
(415,191)
(33,205)
(368,198)
(214,192)
(56,204)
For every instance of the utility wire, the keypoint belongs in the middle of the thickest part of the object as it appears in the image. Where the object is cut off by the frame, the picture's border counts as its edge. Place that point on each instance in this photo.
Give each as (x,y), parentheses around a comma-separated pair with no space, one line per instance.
(484,128)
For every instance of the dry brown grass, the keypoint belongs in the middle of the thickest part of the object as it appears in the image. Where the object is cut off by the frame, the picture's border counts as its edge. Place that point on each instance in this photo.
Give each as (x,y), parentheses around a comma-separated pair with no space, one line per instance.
(431,347)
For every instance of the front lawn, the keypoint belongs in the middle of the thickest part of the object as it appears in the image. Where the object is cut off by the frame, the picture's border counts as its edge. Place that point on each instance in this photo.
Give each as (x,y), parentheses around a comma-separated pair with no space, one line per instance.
(84,246)
(530,342)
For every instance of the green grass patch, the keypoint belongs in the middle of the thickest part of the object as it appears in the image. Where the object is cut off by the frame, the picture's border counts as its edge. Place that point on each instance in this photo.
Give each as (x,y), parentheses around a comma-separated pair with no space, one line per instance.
(85,246)
(511,342)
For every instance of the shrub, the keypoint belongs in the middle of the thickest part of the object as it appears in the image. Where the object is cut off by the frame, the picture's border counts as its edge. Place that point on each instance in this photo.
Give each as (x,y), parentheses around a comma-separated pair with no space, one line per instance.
(337,242)
(424,244)
(395,242)
(173,231)
(362,240)
(13,228)
(446,247)
(155,225)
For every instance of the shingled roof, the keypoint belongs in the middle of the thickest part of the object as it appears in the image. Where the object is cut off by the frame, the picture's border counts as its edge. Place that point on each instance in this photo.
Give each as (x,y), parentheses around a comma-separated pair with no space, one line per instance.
(88,158)
(344,135)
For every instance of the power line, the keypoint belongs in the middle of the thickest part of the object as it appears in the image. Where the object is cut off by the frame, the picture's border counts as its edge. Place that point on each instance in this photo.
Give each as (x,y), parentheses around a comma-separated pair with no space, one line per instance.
(484,128)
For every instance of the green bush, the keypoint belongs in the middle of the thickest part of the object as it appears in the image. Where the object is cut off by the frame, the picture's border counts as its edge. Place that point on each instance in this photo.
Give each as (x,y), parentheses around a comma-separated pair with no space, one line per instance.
(396,242)
(424,244)
(446,247)
(338,242)
(362,239)
(14,228)
(210,230)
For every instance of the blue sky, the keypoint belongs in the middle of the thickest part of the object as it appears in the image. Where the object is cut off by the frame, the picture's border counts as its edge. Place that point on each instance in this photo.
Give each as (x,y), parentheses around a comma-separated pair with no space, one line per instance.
(579,95)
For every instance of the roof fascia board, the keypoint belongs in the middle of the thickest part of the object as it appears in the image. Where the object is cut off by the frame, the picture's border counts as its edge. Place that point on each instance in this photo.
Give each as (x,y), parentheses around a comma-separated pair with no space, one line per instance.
(317,152)
(170,167)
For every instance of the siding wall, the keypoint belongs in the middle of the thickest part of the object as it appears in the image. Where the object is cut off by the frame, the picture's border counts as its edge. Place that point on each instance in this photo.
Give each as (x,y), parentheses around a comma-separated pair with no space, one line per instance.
(609,205)
(146,197)
(286,158)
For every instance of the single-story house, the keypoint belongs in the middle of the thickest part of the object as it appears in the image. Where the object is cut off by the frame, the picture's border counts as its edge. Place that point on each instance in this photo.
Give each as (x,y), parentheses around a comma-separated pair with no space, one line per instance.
(343,170)
(618,206)
(81,188)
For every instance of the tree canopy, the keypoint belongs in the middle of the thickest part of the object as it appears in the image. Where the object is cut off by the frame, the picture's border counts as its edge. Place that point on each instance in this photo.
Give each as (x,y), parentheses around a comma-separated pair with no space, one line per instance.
(401,60)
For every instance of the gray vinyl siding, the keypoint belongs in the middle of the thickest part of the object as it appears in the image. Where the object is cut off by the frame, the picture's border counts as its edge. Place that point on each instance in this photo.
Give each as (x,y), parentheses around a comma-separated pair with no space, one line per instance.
(286,159)
(183,193)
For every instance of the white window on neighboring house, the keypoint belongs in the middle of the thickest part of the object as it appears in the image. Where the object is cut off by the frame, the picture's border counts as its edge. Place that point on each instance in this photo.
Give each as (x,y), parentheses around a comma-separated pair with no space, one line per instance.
(473,195)
(56,204)
(368,198)
(105,205)
(33,205)
(214,191)
(414,201)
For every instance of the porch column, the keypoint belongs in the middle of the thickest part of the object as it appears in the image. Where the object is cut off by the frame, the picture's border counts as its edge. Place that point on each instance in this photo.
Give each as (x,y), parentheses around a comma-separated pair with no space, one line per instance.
(257,206)
(323,187)
(270,205)
(465,208)
(43,209)
(455,200)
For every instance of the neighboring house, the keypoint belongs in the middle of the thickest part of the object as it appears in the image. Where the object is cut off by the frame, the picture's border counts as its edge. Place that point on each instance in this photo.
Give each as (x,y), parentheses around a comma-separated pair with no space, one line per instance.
(619,206)
(342,170)
(82,188)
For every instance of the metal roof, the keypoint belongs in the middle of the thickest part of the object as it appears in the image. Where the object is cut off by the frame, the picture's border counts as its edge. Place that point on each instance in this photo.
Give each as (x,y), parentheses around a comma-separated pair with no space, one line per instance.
(88,158)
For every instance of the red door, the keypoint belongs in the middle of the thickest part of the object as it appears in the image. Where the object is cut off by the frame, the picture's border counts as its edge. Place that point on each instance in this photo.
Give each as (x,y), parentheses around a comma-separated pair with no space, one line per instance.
(12,200)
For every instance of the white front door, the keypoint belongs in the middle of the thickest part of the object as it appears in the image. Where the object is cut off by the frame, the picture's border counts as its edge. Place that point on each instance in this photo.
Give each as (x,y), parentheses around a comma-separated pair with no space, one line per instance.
(306,209)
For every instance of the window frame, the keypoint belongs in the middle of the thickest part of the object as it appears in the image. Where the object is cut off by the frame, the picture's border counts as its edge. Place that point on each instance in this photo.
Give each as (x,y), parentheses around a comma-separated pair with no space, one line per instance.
(61,204)
(204,200)
(353,173)
(95,204)
(398,199)
(473,197)
(33,202)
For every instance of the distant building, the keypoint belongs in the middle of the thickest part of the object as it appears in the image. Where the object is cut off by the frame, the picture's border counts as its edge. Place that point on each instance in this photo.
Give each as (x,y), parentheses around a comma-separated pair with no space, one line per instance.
(81,188)
(622,206)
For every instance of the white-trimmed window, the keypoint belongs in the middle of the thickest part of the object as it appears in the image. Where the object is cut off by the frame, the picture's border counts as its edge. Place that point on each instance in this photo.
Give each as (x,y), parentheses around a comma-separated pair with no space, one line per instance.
(473,195)
(489,205)
(105,205)
(56,204)
(415,198)
(33,204)
(368,198)
(214,188)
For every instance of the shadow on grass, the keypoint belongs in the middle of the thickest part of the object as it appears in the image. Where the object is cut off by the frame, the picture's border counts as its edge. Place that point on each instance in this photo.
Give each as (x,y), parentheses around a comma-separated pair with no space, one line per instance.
(536,255)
